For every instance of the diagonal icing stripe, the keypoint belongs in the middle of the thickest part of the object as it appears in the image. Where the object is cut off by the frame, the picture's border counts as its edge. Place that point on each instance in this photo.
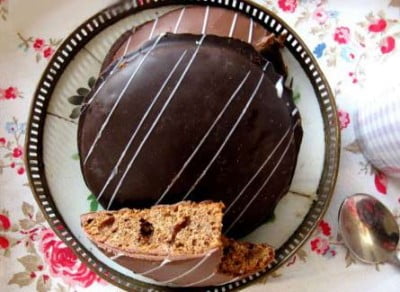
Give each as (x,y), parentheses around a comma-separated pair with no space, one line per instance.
(203,30)
(121,157)
(153,28)
(258,171)
(129,41)
(263,185)
(105,123)
(104,81)
(156,268)
(196,266)
(172,94)
(227,137)
(250,37)
(212,274)
(232,29)
(204,137)
(179,20)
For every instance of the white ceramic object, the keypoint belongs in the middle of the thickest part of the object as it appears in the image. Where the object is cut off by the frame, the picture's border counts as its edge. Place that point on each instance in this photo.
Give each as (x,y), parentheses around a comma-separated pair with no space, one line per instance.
(377,129)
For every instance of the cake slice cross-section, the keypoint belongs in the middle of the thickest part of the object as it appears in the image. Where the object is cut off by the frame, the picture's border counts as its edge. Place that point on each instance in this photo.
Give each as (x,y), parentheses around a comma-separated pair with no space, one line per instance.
(179,245)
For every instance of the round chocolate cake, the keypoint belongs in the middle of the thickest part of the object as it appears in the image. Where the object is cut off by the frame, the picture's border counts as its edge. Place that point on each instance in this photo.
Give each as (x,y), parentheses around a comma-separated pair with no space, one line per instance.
(197,20)
(191,117)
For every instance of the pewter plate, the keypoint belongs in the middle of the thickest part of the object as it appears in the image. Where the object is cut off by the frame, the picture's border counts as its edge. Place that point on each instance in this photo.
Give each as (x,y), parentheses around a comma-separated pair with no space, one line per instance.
(51,144)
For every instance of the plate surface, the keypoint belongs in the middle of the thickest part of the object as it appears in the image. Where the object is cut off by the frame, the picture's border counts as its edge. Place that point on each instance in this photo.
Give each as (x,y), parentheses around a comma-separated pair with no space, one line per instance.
(55,173)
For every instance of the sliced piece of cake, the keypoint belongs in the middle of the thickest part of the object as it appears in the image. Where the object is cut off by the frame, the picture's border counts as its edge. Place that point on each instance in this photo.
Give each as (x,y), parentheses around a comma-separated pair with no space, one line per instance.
(177,244)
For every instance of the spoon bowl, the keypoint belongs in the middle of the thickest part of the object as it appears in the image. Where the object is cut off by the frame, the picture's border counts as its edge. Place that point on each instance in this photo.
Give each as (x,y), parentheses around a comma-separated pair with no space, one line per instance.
(369,229)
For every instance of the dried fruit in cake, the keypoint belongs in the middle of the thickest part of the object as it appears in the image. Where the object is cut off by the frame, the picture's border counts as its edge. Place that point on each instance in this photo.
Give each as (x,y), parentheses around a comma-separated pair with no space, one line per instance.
(177,244)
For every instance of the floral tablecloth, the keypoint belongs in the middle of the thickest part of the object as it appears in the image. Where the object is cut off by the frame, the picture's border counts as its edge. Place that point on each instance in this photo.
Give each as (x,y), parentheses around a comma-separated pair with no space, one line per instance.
(357,44)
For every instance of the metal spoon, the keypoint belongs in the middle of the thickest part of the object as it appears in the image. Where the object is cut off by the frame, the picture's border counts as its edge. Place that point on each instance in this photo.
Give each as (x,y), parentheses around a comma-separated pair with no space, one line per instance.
(369,229)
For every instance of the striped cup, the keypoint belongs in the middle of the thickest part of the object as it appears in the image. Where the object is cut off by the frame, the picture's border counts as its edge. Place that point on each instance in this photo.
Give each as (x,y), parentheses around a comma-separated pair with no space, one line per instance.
(377,129)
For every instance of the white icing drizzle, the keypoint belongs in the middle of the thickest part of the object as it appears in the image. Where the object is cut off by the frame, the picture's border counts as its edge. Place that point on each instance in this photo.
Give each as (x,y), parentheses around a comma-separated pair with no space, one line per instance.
(204,137)
(294,111)
(264,183)
(266,66)
(201,280)
(250,38)
(179,19)
(232,29)
(227,137)
(188,271)
(102,84)
(162,264)
(229,281)
(128,42)
(153,28)
(105,123)
(115,67)
(258,170)
(114,257)
(138,127)
(172,94)
(279,87)
(100,87)
(203,30)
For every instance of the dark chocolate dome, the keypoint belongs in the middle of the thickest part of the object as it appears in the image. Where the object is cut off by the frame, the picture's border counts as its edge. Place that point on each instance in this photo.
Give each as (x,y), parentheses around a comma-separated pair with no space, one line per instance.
(191,117)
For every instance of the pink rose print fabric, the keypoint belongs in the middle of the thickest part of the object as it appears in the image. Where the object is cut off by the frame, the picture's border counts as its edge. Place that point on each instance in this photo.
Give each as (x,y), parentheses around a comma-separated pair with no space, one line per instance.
(47,262)
(388,44)
(288,5)
(320,15)
(10,93)
(344,119)
(11,147)
(44,49)
(377,25)
(5,225)
(344,43)
(321,244)
(63,262)
(342,35)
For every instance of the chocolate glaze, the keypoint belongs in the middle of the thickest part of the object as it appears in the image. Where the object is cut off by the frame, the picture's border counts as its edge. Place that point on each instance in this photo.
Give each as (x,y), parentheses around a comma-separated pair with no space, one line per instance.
(199,140)
(184,272)
(194,271)
(194,19)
